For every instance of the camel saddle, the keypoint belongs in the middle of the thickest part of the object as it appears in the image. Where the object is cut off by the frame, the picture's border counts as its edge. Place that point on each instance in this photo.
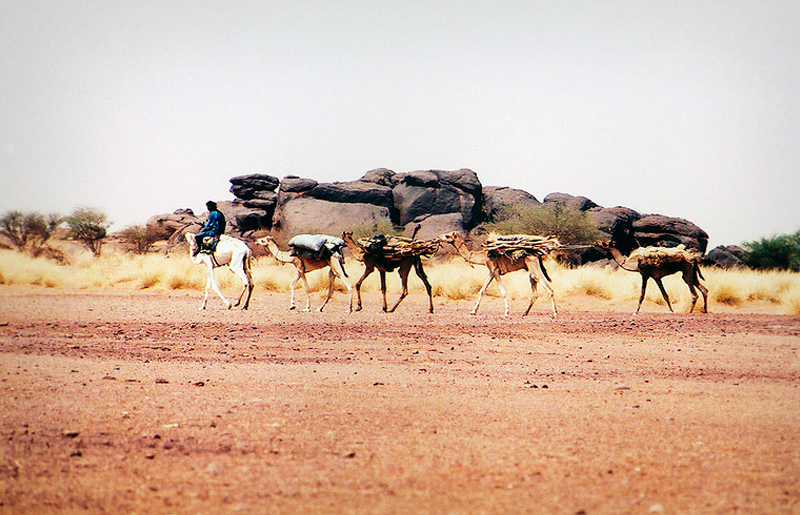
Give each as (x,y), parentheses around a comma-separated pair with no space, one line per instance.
(209,244)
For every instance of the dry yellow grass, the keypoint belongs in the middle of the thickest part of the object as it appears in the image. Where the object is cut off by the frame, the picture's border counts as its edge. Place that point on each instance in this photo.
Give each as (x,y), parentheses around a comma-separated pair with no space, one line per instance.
(454,280)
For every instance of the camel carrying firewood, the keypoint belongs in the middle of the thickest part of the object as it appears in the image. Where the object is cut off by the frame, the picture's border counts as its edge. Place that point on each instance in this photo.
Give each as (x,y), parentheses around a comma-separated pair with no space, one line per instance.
(509,254)
(310,260)
(657,262)
(386,255)
(230,252)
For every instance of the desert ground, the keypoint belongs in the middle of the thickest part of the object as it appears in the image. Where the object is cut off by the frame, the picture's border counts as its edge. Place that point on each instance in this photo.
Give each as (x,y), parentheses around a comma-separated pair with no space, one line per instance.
(135,402)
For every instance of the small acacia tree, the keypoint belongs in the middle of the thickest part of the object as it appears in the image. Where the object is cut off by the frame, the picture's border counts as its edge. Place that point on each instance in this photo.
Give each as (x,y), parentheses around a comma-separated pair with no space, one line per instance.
(29,231)
(777,253)
(570,226)
(139,238)
(88,225)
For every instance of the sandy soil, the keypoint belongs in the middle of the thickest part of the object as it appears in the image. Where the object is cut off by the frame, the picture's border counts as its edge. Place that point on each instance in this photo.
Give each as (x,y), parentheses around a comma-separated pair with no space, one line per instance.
(138,403)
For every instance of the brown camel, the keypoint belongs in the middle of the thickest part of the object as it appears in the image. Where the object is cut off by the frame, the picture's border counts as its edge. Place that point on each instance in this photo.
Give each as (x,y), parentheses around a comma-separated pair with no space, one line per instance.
(500,265)
(686,262)
(306,263)
(385,264)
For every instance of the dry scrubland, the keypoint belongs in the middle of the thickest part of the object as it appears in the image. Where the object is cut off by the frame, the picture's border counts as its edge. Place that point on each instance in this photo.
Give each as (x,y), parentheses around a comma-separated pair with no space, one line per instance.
(118,396)
(772,291)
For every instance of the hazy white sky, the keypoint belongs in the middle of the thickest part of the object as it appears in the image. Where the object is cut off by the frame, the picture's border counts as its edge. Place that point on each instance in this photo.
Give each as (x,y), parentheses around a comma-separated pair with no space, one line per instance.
(141,107)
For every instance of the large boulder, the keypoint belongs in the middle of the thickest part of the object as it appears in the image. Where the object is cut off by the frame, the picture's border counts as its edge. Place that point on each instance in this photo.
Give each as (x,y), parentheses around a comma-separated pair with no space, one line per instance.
(667,231)
(254,186)
(607,217)
(498,198)
(568,201)
(243,216)
(731,256)
(382,176)
(429,227)
(309,215)
(166,224)
(437,192)
(295,184)
(355,192)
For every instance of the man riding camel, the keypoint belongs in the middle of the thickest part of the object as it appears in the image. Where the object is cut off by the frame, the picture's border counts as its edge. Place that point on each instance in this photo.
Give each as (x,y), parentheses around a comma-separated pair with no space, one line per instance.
(214,226)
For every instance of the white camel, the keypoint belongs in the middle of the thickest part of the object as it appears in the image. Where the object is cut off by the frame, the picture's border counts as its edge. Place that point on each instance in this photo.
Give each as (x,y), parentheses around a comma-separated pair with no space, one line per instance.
(500,265)
(305,263)
(230,252)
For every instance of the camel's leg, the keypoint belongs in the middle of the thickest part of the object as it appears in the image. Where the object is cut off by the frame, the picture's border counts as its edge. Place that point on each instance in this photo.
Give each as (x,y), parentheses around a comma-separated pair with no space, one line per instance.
(368,270)
(537,277)
(480,293)
(691,279)
(292,287)
(241,271)
(663,293)
(403,271)
(641,297)
(383,288)
(215,286)
(308,292)
(205,293)
(331,278)
(336,268)
(704,291)
(534,293)
(424,278)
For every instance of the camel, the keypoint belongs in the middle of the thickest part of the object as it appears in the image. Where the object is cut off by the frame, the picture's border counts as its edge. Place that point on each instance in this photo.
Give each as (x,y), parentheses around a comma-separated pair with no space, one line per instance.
(230,252)
(500,265)
(385,264)
(306,263)
(687,263)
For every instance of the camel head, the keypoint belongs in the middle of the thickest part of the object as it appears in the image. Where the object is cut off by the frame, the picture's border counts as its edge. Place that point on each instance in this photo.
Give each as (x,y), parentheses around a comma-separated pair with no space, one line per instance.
(453,238)
(191,239)
(264,240)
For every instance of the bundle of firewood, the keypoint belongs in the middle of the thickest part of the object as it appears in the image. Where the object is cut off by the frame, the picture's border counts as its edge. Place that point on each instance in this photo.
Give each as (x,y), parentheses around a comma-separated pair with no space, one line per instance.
(518,246)
(398,247)
(656,256)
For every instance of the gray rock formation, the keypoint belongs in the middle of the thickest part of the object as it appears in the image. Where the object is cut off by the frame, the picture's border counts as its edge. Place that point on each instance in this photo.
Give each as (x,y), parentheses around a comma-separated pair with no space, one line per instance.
(437,192)
(498,198)
(731,256)
(430,202)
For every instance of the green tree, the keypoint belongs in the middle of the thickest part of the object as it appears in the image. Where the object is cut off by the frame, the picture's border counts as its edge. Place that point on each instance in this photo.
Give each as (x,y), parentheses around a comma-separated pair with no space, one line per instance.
(139,238)
(29,231)
(779,252)
(88,225)
(570,226)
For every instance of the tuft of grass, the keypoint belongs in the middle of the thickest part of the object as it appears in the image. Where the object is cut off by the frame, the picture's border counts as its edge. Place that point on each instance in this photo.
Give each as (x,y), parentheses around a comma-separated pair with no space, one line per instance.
(790,302)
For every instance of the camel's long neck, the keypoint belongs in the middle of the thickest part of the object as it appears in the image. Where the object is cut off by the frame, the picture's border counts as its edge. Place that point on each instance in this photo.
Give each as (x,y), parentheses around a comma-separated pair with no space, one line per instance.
(470,256)
(355,250)
(283,257)
(620,259)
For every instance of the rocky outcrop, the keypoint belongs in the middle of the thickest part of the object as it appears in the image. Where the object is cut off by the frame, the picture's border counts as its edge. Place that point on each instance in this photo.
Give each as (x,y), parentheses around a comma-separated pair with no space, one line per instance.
(731,256)
(668,231)
(311,215)
(437,192)
(425,202)
(498,198)
(568,201)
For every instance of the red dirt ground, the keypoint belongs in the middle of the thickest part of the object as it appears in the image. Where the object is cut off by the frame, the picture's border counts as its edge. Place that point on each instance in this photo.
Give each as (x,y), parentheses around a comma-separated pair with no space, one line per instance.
(137,403)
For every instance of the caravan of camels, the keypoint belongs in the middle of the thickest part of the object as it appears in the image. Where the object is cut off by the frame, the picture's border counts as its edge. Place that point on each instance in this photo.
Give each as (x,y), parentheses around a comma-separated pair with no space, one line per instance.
(499,254)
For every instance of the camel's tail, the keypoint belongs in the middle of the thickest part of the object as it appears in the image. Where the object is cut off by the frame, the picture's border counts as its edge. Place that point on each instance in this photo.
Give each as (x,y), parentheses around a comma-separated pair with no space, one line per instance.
(699,273)
(544,270)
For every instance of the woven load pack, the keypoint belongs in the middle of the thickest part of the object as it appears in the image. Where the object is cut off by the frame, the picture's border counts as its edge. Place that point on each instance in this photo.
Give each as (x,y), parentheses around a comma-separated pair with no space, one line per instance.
(657,256)
(519,246)
(398,247)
